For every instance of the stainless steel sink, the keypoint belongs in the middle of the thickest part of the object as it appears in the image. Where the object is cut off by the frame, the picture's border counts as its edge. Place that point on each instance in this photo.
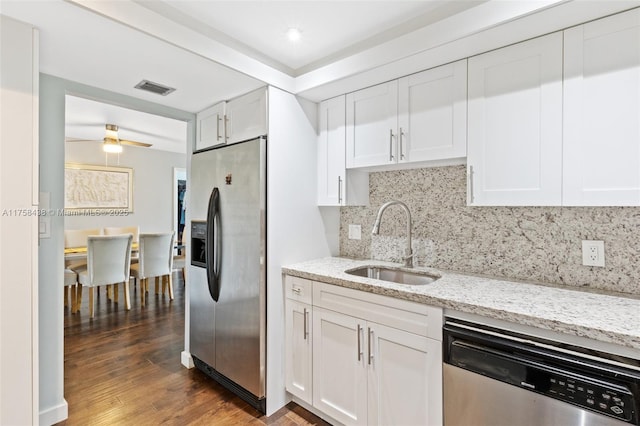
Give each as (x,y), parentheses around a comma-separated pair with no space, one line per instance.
(398,276)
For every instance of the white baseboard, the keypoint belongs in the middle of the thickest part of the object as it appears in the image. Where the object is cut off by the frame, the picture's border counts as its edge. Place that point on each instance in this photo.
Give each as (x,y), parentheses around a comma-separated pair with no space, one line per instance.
(186,360)
(53,415)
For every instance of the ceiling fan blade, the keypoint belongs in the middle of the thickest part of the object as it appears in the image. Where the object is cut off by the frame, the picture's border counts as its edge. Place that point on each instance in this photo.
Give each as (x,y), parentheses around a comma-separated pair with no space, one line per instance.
(134,143)
(67,139)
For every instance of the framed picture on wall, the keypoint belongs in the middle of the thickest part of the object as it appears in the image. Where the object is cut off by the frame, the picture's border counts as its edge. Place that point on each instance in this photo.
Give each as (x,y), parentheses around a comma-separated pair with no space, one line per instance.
(93,187)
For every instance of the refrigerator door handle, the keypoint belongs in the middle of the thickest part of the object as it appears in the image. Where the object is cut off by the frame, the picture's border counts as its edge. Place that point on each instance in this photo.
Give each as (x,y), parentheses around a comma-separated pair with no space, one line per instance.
(213,244)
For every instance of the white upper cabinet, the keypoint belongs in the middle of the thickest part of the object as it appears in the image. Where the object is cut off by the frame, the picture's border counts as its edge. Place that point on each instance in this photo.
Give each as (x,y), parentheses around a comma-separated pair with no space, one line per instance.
(602,112)
(210,127)
(418,118)
(432,119)
(331,151)
(514,150)
(372,122)
(246,116)
(237,120)
(336,186)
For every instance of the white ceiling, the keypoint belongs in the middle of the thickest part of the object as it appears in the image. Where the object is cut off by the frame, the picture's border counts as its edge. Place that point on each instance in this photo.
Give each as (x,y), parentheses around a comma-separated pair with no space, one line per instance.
(330,29)
(213,50)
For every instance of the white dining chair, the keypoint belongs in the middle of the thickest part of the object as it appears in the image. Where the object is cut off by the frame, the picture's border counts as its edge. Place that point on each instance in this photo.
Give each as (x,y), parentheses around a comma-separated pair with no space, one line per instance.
(108,263)
(133,230)
(155,260)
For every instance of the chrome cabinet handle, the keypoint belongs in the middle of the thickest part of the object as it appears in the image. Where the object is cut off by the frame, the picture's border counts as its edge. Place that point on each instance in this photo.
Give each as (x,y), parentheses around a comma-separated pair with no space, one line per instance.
(305,331)
(217,127)
(370,353)
(400,143)
(359,344)
(226,131)
(296,290)
(471,196)
(390,144)
(339,189)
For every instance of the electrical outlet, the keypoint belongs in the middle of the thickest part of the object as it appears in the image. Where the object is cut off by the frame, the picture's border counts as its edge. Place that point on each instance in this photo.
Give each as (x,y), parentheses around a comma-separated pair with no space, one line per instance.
(355,232)
(593,253)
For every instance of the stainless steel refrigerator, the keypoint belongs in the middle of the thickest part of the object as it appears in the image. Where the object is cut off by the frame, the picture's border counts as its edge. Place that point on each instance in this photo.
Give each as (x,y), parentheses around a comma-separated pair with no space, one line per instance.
(228,273)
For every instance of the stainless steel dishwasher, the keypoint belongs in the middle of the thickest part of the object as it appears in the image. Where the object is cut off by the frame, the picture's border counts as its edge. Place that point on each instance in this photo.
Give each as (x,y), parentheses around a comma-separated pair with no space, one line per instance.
(494,377)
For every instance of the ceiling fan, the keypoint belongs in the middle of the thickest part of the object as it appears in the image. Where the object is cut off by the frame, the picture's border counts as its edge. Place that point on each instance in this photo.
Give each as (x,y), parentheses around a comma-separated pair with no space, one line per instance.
(111,142)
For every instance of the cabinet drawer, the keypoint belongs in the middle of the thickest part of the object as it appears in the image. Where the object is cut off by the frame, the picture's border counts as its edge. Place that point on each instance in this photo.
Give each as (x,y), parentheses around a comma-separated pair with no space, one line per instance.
(401,314)
(298,289)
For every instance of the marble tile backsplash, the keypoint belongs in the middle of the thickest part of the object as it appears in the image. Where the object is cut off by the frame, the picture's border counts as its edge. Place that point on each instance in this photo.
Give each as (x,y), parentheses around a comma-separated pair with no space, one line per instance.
(541,244)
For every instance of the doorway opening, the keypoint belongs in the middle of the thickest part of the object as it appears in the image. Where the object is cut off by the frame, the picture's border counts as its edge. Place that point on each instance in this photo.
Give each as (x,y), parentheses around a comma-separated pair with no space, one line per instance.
(179,204)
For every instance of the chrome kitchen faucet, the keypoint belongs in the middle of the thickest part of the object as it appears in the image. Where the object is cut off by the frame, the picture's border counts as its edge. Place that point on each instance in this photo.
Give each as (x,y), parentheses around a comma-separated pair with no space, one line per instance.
(408,258)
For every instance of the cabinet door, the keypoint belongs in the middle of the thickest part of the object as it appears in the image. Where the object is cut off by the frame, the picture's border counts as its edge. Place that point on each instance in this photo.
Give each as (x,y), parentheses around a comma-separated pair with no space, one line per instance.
(336,185)
(404,377)
(210,127)
(339,372)
(298,350)
(433,114)
(514,150)
(247,116)
(331,152)
(371,125)
(602,112)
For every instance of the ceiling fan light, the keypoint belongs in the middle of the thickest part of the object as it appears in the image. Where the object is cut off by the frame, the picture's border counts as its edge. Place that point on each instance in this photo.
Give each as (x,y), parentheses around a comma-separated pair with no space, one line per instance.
(111,146)
(111,133)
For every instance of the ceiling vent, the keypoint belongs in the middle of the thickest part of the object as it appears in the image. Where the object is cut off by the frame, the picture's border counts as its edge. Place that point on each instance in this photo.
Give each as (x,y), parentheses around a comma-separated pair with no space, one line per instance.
(152,87)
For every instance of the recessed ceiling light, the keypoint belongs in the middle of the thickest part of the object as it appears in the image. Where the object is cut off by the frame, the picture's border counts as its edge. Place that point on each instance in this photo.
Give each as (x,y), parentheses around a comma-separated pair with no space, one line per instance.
(294,34)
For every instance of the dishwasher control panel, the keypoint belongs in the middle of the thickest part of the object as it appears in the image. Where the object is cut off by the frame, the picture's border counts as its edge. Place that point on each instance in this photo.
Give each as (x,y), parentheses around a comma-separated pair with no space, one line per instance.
(609,399)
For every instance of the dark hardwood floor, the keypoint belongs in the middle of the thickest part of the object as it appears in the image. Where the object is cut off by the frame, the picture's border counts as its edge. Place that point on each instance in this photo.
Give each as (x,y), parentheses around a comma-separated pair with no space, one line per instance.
(123,368)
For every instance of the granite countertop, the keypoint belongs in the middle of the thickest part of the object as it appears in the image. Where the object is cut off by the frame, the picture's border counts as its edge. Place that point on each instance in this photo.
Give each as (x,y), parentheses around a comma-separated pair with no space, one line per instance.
(611,318)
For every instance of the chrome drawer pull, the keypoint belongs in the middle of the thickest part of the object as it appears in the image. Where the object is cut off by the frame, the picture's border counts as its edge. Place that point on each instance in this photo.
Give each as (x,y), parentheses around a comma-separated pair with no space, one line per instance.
(305,331)
(217,127)
(390,144)
(369,345)
(359,345)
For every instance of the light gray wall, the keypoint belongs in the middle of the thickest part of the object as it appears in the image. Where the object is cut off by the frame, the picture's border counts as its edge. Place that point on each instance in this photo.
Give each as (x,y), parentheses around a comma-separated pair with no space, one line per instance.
(540,244)
(50,253)
(152,186)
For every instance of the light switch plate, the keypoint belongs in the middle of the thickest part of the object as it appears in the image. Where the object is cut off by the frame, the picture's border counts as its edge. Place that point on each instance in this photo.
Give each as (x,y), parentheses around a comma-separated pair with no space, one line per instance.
(355,232)
(44,225)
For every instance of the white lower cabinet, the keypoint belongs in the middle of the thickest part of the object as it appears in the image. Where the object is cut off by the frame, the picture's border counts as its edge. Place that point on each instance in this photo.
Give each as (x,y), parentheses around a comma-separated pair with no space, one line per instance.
(376,360)
(298,338)
(404,377)
(298,350)
(339,373)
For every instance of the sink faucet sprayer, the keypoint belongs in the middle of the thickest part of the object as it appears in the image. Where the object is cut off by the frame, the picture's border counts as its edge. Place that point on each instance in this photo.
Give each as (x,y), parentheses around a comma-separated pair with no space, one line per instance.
(408,259)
